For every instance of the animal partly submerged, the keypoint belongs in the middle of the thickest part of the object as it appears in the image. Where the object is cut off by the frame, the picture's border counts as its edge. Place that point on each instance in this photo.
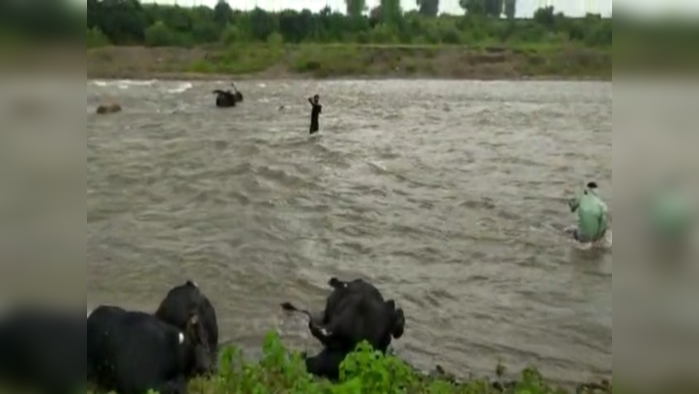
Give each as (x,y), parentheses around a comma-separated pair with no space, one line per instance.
(184,302)
(108,108)
(133,352)
(227,99)
(355,312)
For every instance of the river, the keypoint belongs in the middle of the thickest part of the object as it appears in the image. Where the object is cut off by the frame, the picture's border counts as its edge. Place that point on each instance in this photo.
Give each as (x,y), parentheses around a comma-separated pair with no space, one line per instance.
(449,195)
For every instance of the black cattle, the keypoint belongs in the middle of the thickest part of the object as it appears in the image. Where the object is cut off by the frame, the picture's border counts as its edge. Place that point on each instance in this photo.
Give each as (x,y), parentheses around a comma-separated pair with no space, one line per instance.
(185,301)
(355,312)
(227,99)
(42,349)
(359,303)
(343,289)
(360,318)
(133,352)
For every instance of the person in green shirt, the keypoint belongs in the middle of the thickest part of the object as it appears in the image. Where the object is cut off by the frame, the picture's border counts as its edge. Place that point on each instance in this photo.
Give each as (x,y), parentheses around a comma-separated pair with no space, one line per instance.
(592,212)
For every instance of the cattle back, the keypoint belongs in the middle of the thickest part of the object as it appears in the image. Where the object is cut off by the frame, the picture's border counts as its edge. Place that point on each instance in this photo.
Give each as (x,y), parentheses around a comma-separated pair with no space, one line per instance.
(132,352)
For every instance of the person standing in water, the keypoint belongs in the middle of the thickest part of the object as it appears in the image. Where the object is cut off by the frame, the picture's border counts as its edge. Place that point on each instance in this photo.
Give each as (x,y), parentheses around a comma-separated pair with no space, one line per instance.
(315,113)
(592,213)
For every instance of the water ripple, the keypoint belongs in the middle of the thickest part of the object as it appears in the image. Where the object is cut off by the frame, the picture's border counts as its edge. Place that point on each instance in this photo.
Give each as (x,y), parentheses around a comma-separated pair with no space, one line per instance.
(447,199)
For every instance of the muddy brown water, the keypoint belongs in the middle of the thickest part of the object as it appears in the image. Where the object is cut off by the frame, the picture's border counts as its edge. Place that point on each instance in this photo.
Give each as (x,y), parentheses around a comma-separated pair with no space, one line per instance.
(450,196)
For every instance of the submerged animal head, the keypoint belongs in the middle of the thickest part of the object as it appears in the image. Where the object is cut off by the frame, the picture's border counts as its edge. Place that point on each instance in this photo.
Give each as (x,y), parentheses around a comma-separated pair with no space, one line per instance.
(396,319)
(196,338)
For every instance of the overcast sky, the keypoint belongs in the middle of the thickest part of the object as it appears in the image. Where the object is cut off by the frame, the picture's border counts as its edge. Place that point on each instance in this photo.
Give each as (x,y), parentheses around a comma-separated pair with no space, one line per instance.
(525,7)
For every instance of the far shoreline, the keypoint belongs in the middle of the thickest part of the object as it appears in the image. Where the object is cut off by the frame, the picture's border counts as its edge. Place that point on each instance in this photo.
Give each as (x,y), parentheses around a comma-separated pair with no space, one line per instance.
(194,77)
(318,62)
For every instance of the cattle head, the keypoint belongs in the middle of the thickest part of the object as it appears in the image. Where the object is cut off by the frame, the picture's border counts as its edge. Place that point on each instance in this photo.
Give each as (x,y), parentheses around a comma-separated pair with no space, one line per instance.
(179,304)
(397,319)
(200,359)
(336,283)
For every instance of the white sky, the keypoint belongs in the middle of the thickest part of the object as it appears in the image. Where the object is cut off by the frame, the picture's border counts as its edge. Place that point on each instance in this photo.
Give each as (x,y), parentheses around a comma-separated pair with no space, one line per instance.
(686,8)
(525,7)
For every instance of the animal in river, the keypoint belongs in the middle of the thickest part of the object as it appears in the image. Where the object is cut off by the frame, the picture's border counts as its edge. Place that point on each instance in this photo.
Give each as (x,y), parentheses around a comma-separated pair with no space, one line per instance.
(42,349)
(181,304)
(355,312)
(227,99)
(109,108)
(342,289)
(134,352)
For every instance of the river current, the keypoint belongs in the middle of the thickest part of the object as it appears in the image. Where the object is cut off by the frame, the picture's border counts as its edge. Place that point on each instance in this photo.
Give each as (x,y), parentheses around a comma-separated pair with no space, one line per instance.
(449,195)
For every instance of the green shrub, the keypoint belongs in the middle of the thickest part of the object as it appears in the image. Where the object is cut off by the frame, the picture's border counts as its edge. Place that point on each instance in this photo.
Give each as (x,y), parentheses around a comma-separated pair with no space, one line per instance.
(96,39)
(364,371)
(231,35)
(159,35)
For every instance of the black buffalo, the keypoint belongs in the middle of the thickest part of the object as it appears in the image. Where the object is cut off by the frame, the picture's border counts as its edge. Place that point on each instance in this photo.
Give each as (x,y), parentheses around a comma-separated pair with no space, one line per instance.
(185,301)
(134,352)
(355,312)
(342,289)
(227,99)
(42,349)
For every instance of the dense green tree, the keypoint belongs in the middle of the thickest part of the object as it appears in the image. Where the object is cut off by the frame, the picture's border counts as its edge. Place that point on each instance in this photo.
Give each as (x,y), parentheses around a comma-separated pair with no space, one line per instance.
(546,17)
(205,27)
(262,24)
(92,12)
(494,8)
(490,8)
(510,9)
(128,22)
(473,7)
(428,7)
(391,11)
(122,21)
(355,8)
(223,14)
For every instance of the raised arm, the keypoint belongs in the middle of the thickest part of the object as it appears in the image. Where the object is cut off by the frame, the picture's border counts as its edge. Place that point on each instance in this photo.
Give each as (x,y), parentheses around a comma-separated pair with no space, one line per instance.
(574,203)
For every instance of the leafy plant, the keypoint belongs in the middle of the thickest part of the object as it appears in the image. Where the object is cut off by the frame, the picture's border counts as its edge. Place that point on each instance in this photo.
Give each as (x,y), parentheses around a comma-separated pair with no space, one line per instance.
(364,371)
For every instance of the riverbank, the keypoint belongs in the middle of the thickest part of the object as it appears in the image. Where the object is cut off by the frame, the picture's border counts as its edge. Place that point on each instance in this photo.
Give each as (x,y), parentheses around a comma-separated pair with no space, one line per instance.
(280,371)
(269,61)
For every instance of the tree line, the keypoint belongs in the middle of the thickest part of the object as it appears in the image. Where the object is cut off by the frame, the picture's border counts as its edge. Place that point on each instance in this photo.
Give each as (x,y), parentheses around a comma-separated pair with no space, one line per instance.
(130,22)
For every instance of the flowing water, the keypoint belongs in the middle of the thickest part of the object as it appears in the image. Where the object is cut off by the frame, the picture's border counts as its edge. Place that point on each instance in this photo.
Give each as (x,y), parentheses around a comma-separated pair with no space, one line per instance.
(449,196)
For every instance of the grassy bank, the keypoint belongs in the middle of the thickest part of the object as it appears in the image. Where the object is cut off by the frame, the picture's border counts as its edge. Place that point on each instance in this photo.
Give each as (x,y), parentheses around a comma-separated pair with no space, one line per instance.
(350,61)
(364,372)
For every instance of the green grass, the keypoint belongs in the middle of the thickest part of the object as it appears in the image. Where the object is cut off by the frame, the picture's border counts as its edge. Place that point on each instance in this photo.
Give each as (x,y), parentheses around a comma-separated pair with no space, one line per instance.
(332,60)
(357,60)
(363,372)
